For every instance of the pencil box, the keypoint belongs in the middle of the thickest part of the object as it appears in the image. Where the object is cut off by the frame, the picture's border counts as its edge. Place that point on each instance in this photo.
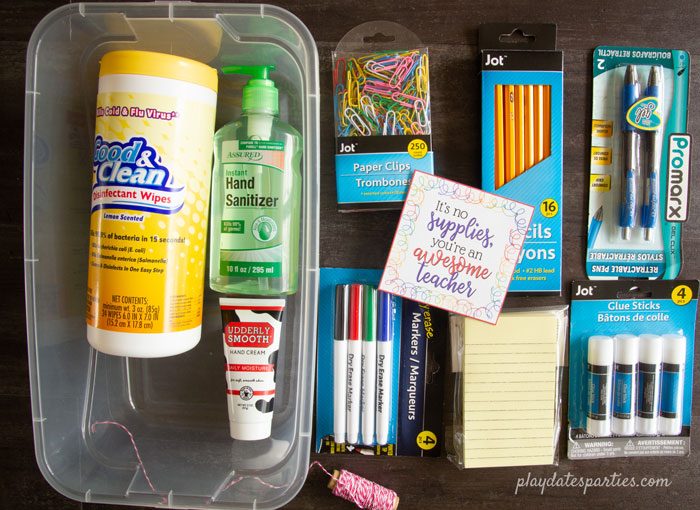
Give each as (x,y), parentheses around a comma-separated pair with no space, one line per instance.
(640,163)
(631,347)
(381,102)
(522,123)
(407,376)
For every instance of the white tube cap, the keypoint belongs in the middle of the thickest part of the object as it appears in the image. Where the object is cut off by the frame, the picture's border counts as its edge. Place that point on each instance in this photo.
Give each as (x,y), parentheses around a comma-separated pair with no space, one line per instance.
(623,426)
(598,428)
(674,349)
(626,349)
(251,431)
(600,350)
(647,426)
(650,347)
(670,426)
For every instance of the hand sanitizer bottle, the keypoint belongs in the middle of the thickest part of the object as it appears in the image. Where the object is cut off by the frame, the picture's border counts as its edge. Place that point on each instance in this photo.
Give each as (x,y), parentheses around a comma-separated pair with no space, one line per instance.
(256,195)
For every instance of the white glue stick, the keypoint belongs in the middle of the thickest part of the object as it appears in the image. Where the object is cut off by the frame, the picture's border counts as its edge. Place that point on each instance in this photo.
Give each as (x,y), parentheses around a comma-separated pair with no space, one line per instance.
(672,379)
(600,369)
(625,384)
(650,347)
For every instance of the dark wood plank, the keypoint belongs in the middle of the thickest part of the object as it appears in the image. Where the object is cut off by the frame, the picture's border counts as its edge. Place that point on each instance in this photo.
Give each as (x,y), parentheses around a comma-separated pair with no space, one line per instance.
(362,240)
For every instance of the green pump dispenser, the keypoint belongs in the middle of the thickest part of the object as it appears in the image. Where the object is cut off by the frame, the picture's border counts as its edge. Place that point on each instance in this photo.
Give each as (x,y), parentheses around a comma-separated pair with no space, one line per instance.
(260,94)
(256,195)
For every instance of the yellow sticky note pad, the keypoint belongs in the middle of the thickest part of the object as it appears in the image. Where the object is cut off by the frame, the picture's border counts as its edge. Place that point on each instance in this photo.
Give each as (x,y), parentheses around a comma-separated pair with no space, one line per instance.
(509,389)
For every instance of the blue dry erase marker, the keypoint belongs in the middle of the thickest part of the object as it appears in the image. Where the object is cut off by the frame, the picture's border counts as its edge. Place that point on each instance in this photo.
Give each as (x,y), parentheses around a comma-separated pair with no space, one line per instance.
(630,169)
(594,230)
(650,209)
(385,333)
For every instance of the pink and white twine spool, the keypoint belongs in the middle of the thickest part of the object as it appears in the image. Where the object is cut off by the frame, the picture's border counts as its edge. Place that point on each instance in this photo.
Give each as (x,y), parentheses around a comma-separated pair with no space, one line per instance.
(364,493)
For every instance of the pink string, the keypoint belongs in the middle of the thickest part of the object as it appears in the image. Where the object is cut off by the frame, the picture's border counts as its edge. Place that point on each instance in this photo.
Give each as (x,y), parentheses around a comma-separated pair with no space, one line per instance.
(366,494)
(234,481)
(317,463)
(133,444)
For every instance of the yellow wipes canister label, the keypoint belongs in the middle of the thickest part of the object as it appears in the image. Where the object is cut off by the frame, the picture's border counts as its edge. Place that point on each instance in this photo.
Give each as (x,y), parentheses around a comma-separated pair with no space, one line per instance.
(150,199)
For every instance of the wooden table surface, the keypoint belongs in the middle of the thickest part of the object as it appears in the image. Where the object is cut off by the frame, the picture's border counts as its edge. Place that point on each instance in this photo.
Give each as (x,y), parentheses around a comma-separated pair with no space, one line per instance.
(449,29)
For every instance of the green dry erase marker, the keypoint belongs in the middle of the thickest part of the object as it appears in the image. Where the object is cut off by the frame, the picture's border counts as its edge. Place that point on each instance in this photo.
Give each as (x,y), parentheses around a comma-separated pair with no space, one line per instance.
(369,364)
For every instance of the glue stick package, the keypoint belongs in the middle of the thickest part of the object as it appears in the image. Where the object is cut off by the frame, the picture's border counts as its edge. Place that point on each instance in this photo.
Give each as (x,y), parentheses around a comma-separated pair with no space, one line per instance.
(506,379)
(381,100)
(640,163)
(631,350)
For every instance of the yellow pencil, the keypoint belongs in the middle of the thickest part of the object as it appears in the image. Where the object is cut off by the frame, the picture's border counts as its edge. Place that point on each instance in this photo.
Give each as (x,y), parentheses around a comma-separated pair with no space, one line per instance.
(547,119)
(510,132)
(519,129)
(499,149)
(539,123)
(529,127)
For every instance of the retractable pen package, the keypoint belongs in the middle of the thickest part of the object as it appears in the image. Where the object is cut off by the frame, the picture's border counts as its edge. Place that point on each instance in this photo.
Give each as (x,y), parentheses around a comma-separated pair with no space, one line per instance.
(631,347)
(380,369)
(381,102)
(522,123)
(640,163)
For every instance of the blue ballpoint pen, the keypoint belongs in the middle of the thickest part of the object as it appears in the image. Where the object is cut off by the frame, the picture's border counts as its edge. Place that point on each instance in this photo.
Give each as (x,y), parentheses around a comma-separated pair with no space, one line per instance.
(594,230)
(630,169)
(650,209)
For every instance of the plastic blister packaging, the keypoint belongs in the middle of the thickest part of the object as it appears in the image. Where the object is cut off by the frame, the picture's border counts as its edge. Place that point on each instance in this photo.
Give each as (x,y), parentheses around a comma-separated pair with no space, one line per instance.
(175,407)
(381,102)
(630,368)
(506,381)
(395,406)
(640,160)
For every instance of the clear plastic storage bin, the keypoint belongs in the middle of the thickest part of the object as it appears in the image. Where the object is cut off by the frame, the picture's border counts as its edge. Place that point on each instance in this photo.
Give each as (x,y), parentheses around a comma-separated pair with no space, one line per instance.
(175,407)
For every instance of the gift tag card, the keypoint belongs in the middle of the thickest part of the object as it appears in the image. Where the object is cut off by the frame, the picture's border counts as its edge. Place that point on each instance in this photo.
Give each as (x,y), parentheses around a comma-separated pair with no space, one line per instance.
(456,247)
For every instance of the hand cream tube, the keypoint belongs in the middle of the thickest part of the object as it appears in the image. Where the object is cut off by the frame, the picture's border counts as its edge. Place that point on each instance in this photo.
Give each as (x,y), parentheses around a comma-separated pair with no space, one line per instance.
(251,333)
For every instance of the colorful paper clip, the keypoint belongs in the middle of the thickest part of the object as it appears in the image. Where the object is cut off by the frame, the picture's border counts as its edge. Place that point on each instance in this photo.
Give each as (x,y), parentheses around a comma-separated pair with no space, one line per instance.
(382,94)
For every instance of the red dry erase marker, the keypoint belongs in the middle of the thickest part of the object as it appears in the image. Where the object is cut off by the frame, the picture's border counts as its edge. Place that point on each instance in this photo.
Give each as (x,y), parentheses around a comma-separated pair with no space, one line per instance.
(354,362)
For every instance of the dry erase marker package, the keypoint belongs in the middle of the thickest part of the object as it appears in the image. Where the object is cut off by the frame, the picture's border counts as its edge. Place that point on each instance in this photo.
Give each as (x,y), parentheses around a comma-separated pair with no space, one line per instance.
(631,349)
(640,163)
(380,369)
(522,124)
(506,381)
(381,100)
